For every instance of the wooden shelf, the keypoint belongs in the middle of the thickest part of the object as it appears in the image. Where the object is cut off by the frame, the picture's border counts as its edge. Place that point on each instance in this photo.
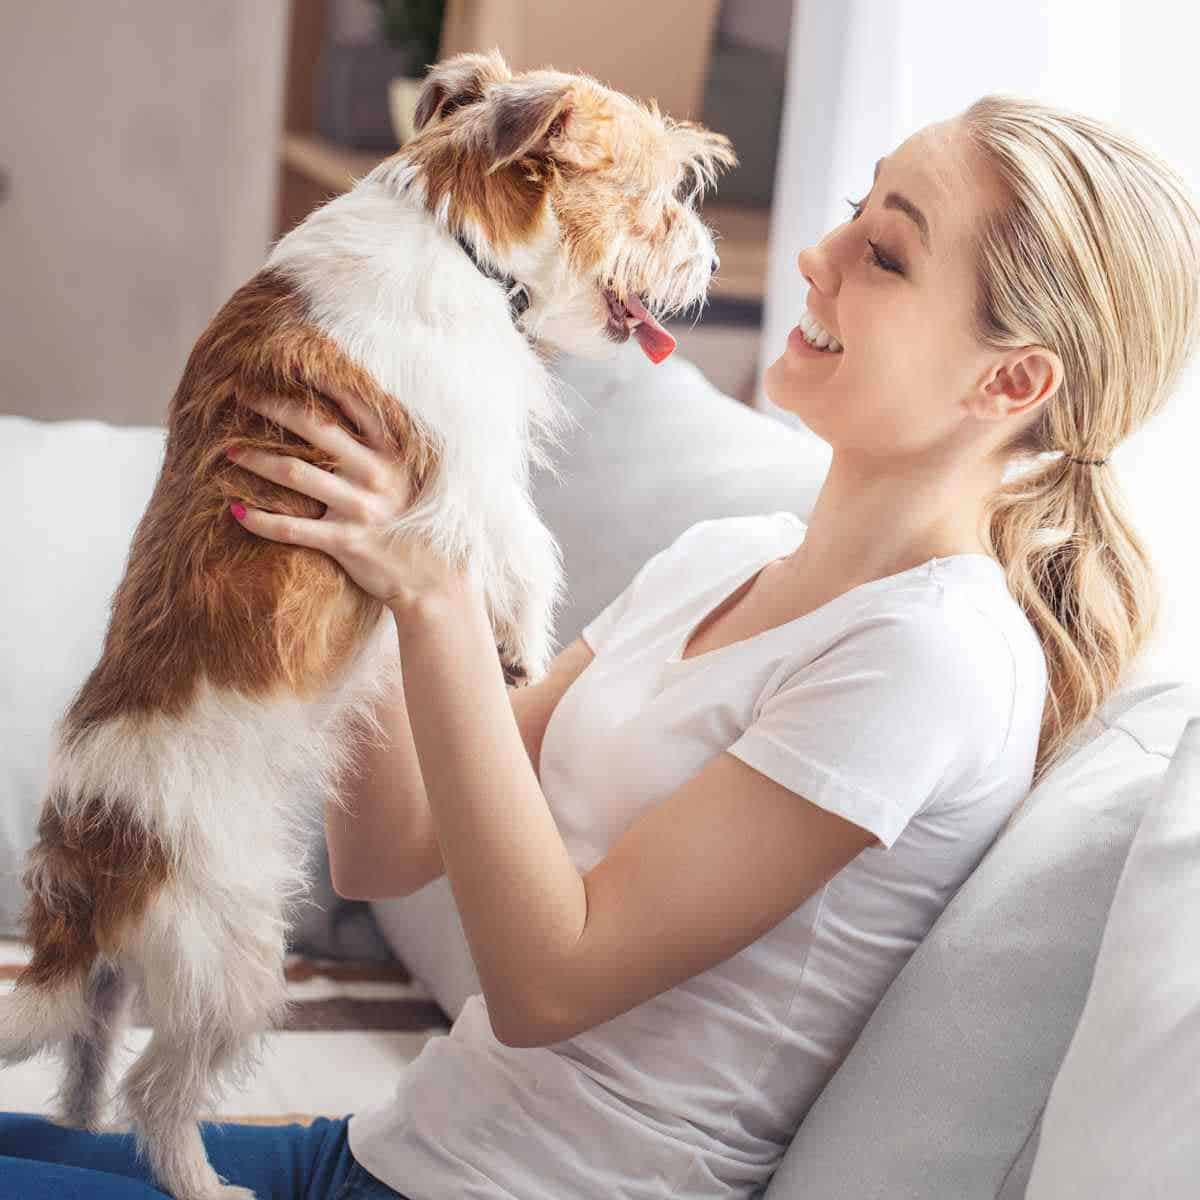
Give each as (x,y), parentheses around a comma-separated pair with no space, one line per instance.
(741,231)
(326,163)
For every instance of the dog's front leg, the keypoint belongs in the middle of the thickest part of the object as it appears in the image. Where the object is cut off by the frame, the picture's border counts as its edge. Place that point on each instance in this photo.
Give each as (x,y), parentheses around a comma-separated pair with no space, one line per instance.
(533,570)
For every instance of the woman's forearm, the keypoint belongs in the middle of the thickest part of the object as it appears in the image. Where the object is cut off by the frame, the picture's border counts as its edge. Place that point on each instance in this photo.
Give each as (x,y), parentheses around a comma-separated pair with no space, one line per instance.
(375,845)
(522,900)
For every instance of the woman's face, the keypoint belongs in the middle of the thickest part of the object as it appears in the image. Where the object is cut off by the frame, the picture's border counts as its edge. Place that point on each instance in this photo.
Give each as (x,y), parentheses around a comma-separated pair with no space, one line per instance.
(908,360)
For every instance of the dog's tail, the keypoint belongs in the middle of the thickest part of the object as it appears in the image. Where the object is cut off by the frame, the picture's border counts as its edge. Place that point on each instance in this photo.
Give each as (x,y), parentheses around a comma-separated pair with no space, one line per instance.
(82,878)
(48,1003)
(34,1016)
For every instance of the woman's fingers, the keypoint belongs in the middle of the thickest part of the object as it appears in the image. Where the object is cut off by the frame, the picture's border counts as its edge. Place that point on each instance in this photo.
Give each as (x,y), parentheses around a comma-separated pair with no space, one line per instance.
(295,531)
(337,494)
(369,423)
(354,460)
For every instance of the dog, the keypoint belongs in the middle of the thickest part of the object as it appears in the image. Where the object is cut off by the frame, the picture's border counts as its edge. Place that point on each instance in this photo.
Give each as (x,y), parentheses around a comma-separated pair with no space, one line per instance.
(531,214)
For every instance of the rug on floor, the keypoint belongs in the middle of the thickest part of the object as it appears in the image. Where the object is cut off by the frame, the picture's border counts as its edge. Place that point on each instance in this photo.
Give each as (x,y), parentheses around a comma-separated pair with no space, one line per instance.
(350,1029)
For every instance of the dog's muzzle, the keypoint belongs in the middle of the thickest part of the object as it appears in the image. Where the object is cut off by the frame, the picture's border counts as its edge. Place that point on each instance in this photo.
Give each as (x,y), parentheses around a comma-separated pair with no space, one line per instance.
(632,316)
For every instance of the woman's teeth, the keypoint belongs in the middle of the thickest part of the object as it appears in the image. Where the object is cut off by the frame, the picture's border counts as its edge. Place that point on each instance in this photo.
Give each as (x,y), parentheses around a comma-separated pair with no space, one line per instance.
(814,335)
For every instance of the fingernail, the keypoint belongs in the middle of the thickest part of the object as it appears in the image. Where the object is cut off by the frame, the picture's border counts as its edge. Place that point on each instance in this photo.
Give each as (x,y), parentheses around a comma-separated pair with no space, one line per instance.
(238,510)
(233,452)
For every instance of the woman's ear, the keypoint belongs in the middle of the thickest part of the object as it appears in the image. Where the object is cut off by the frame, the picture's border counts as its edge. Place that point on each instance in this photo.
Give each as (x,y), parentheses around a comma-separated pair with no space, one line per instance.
(526,118)
(455,82)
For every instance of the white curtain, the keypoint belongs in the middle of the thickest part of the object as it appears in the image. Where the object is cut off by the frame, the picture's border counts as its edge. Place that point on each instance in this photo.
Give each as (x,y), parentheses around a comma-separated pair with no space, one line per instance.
(863,76)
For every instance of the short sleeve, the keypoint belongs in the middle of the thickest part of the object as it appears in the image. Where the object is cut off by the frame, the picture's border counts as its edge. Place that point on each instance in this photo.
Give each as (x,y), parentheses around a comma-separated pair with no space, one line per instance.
(598,630)
(905,707)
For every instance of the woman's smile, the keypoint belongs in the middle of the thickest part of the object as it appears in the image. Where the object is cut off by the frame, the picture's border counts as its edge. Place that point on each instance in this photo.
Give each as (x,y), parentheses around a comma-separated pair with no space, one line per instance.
(798,343)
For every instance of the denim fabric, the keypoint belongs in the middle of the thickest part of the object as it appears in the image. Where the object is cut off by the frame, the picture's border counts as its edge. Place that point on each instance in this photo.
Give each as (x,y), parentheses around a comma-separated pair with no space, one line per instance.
(40,1160)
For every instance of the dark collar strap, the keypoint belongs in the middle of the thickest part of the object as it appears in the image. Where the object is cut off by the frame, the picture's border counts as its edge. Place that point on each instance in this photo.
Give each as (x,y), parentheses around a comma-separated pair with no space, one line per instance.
(517,293)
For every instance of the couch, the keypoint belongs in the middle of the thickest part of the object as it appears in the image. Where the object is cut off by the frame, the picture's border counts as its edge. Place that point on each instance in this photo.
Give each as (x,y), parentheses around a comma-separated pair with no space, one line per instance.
(1020,1052)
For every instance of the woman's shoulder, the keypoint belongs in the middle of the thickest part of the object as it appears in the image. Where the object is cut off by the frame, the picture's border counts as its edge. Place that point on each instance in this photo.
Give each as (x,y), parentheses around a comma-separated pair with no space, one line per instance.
(940,616)
(743,533)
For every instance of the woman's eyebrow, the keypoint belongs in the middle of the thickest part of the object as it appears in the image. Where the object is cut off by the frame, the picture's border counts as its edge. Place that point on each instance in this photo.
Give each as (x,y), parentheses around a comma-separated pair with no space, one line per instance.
(906,206)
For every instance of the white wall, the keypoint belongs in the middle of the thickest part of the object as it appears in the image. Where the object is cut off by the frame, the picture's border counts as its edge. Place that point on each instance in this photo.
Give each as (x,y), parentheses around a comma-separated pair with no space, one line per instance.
(140,141)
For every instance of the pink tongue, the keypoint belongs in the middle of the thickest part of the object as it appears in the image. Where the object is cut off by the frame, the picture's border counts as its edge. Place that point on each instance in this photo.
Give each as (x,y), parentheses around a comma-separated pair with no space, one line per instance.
(652,337)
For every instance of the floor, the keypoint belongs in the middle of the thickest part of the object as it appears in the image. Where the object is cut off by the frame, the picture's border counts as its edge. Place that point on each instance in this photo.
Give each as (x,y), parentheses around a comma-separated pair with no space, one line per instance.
(304,1069)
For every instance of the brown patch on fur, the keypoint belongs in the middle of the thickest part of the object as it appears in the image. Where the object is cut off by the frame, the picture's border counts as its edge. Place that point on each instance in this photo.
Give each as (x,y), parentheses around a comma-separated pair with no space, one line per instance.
(507,205)
(89,877)
(455,82)
(202,596)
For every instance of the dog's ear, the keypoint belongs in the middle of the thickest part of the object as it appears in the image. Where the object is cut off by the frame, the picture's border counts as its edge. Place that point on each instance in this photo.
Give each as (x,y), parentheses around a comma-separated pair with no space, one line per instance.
(527,117)
(457,81)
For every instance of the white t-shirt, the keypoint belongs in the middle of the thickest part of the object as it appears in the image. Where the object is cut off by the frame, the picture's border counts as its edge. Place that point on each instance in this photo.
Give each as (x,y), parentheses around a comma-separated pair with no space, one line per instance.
(910,705)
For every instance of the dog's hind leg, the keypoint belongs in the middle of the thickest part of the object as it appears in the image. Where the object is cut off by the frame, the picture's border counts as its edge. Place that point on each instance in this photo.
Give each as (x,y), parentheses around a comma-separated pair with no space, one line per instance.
(87,1053)
(214,983)
(164,1094)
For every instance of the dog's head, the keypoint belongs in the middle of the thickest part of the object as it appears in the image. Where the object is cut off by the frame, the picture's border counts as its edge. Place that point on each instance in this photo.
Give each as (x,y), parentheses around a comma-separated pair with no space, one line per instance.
(582,195)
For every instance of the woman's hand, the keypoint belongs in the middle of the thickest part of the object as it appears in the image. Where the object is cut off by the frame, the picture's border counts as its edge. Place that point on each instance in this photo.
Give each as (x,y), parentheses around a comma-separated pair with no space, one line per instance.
(369,491)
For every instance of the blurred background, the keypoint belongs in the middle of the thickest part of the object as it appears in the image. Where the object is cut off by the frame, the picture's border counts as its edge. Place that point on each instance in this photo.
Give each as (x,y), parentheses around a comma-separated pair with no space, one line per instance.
(151,151)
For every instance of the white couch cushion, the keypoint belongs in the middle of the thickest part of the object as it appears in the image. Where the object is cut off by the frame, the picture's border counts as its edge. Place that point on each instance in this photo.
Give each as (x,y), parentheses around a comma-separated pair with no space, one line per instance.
(1123,1118)
(72,493)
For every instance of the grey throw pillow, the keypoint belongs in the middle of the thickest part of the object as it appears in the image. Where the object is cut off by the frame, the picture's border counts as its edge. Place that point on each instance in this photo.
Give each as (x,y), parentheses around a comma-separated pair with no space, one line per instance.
(940,1097)
(1134,1062)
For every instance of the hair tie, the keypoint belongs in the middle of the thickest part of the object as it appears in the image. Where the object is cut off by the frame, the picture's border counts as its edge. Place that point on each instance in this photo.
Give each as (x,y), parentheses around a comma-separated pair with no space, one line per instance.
(1091,462)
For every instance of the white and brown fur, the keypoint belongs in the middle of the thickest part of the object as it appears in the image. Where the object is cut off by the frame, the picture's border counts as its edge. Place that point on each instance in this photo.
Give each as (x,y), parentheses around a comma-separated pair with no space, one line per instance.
(238,674)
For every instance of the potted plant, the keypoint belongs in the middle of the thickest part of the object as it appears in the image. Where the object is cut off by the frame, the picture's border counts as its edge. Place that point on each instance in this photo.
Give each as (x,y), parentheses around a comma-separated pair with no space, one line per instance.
(417,24)
(369,45)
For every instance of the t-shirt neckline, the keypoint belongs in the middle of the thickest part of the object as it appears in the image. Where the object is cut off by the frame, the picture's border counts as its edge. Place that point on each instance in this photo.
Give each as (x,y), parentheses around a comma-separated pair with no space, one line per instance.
(675,662)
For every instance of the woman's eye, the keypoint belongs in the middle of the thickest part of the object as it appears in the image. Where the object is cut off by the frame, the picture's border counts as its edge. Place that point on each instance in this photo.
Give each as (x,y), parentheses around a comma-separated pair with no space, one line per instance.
(886,263)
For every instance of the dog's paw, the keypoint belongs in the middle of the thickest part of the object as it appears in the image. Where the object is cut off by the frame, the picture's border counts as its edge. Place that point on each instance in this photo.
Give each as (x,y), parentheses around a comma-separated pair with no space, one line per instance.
(228,1191)
(91,1122)
(219,1190)
(515,674)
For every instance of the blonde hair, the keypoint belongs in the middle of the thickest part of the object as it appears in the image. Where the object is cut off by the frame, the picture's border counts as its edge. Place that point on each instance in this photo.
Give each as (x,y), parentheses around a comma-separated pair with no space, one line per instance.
(1094,253)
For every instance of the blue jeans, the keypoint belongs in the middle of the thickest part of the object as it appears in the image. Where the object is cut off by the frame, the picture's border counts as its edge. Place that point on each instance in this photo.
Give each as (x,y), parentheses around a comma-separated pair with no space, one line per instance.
(43,1161)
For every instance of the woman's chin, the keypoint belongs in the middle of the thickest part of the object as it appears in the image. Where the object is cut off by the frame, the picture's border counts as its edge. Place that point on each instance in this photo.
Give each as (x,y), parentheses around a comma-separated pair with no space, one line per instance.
(779,389)
(797,370)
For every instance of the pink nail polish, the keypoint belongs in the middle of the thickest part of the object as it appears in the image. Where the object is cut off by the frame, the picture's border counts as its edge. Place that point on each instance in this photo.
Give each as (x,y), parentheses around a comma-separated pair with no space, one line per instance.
(238,510)
(232,452)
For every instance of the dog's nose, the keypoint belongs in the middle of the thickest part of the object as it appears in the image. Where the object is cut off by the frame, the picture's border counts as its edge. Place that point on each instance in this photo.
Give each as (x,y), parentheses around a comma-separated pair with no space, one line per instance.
(716,264)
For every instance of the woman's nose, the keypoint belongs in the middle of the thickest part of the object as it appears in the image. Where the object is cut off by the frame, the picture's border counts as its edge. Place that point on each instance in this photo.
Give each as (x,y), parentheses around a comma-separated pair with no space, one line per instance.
(802,260)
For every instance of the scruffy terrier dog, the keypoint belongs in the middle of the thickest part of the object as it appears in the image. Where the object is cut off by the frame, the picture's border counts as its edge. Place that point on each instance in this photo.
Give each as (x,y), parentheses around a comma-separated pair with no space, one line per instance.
(531,213)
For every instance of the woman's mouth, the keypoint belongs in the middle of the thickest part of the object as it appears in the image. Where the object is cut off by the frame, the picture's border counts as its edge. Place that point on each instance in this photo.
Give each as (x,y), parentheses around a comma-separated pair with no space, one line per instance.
(810,335)
(798,341)
(632,316)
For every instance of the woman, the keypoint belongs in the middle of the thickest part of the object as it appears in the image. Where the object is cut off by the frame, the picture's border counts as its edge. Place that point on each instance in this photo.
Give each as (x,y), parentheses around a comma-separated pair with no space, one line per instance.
(795,742)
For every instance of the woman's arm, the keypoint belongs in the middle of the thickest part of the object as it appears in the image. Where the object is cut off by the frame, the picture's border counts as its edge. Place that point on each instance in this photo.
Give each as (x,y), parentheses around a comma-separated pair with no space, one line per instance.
(391,847)
(384,844)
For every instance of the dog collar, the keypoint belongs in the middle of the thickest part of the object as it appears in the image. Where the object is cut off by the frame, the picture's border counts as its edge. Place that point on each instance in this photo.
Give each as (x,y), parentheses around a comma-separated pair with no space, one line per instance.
(517,293)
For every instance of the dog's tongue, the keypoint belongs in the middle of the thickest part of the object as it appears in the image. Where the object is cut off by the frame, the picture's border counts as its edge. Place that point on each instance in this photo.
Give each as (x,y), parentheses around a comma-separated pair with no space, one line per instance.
(652,337)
